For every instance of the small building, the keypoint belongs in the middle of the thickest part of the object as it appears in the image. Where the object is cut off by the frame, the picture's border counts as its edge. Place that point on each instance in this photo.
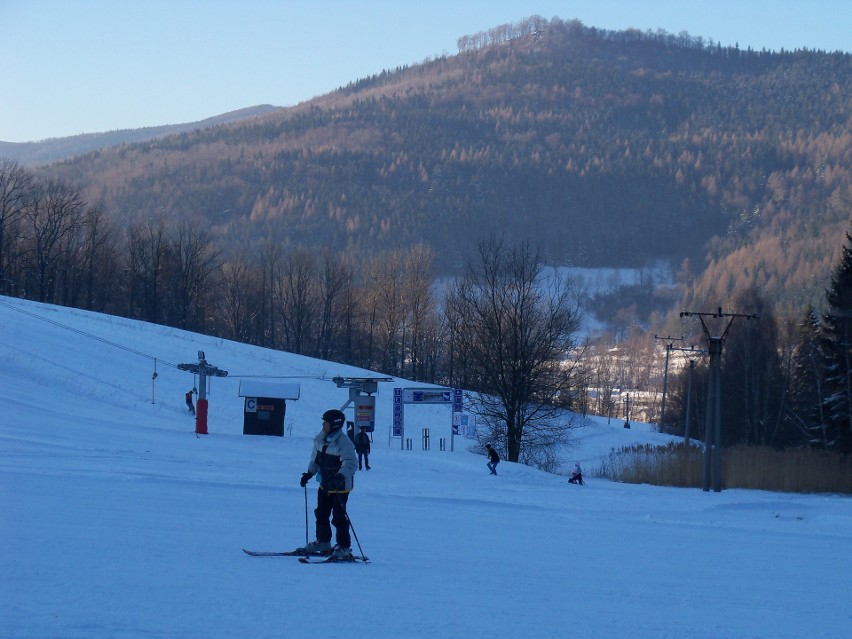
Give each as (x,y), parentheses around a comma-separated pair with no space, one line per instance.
(265,406)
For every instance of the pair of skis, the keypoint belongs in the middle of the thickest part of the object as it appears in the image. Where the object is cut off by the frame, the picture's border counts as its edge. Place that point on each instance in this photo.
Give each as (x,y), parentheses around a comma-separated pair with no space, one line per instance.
(308,558)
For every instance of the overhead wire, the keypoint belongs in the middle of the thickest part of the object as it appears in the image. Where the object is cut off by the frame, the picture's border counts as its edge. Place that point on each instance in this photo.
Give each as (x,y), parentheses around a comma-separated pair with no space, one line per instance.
(157,360)
(86,334)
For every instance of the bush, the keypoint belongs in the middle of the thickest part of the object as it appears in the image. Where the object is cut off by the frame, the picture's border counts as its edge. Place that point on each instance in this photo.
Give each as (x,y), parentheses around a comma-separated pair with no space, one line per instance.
(752,467)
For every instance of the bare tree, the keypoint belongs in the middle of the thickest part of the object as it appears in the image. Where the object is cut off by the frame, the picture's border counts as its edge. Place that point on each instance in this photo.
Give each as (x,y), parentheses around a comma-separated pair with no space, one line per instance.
(97,261)
(519,327)
(457,369)
(270,268)
(297,300)
(386,323)
(335,286)
(15,188)
(605,376)
(430,354)
(147,254)
(53,216)
(237,307)
(583,376)
(418,304)
(196,262)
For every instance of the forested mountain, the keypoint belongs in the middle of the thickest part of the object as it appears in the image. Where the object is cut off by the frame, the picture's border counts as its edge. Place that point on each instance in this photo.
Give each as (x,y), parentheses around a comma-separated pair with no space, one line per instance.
(602,148)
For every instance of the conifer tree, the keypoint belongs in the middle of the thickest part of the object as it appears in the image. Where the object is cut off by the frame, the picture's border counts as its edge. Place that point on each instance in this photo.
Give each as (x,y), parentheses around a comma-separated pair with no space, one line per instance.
(752,384)
(805,407)
(836,345)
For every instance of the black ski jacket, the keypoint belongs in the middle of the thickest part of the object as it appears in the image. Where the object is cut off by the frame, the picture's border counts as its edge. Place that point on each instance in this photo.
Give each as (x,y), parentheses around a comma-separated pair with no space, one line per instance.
(333,453)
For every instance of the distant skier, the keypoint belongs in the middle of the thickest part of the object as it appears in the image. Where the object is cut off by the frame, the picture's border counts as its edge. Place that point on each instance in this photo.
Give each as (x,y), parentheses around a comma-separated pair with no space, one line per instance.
(189,402)
(493,459)
(333,457)
(362,447)
(576,475)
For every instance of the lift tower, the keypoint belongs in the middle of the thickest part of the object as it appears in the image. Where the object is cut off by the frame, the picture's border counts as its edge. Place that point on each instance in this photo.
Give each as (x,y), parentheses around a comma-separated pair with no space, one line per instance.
(203,370)
(713,426)
(361,391)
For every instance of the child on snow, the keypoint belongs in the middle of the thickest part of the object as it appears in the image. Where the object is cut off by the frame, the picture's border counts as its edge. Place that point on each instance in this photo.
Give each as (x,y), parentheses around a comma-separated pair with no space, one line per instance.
(576,475)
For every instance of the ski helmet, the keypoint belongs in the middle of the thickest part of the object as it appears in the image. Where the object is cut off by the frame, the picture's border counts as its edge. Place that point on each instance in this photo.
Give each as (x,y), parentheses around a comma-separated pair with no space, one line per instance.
(334,417)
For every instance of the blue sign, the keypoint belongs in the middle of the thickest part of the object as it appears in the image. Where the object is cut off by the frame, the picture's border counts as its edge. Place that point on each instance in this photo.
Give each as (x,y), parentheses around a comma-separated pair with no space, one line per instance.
(397,412)
(458,404)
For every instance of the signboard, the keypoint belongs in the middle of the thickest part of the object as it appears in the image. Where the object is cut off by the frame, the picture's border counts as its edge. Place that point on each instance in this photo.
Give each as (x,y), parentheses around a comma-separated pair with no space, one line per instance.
(464,424)
(447,396)
(397,412)
(470,426)
(255,388)
(426,396)
(365,413)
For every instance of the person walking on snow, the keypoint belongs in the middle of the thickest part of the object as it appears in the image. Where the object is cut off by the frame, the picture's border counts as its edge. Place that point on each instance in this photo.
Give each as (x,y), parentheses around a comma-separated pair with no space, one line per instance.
(189,402)
(333,459)
(362,447)
(493,459)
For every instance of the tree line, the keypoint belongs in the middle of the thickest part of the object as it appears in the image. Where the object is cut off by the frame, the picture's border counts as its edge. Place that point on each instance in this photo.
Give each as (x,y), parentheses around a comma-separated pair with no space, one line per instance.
(784,382)
(374,313)
(501,329)
(493,331)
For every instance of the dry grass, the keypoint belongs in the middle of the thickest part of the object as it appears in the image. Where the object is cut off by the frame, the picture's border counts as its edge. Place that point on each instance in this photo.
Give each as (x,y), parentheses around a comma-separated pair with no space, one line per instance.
(758,468)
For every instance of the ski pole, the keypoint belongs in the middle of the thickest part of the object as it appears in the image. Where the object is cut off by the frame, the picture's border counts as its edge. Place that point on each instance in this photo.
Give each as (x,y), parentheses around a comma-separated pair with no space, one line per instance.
(306,515)
(349,521)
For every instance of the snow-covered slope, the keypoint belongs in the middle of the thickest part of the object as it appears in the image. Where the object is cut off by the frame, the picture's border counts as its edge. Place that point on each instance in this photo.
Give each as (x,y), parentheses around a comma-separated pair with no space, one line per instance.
(116,520)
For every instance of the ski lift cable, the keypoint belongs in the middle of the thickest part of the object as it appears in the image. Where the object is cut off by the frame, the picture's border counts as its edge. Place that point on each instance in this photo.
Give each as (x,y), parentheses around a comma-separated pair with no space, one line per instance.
(256,376)
(89,335)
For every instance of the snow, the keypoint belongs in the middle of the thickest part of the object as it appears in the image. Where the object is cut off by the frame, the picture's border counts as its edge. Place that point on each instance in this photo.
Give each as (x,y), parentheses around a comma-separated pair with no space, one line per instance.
(116,520)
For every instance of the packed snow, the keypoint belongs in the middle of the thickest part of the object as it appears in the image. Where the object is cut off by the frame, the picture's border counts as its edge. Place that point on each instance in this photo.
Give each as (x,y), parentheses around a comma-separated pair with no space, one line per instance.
(119,521)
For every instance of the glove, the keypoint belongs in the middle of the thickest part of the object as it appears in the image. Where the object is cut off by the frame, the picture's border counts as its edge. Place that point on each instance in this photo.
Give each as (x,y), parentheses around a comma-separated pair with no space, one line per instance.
(306,477)
(336,483)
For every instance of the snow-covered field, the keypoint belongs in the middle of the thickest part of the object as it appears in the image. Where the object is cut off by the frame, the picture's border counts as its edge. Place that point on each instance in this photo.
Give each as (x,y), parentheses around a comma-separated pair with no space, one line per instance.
(116,520)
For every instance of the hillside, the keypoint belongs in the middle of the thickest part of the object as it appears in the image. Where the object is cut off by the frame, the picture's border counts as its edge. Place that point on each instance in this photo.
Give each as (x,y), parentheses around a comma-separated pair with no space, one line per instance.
(120,522)
(56,149)
(733,164)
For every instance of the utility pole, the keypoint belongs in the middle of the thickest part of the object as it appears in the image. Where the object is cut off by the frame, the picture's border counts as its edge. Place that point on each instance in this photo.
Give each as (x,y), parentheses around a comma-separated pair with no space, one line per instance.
(669,345)
(713,427)
(203,370)
(688,401)
(696,351)
(154,382)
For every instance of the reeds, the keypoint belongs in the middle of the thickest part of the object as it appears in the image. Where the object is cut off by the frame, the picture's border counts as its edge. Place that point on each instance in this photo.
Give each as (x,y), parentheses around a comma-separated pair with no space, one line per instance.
(752,467)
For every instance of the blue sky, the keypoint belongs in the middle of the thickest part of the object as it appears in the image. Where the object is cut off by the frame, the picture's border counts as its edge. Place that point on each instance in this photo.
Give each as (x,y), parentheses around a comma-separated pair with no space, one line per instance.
(97,65)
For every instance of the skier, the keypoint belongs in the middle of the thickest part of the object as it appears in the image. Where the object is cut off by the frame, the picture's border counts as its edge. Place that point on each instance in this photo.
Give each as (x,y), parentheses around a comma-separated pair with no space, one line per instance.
(189,401)
(576,475)
(493,458)
(333,458)
(362,447)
